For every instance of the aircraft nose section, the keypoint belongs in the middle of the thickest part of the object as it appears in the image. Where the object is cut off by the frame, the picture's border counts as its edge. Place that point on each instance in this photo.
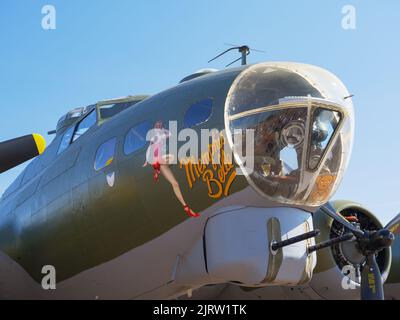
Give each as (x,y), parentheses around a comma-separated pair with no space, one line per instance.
(236,248)
(302,122)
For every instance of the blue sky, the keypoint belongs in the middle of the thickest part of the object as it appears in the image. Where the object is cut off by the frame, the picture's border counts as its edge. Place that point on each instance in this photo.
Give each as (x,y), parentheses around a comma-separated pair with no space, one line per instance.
(104,49)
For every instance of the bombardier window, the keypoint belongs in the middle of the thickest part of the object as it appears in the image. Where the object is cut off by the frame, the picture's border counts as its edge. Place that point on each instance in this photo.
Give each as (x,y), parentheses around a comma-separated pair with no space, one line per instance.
(301,140)
(105,154)
(136,137)
(85,125)
(66,140)
(198,113)
(323,126)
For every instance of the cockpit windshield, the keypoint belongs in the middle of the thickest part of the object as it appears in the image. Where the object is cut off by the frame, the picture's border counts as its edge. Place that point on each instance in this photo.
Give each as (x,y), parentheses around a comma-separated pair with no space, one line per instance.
(72,116)
(110,108)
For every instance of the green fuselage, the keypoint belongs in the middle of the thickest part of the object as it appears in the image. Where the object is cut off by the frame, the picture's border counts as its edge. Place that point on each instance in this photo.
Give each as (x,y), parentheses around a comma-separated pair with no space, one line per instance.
(62,212)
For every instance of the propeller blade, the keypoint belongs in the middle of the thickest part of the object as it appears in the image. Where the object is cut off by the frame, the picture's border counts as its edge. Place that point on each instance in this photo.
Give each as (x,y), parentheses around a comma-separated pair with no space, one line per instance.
(394,275)
(369,243)
(371,280)
(371,277)
(16,151)
(331,212)
(393,223)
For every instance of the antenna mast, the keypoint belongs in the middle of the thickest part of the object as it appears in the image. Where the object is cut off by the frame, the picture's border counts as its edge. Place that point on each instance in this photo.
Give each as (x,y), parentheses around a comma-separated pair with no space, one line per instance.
(243,50)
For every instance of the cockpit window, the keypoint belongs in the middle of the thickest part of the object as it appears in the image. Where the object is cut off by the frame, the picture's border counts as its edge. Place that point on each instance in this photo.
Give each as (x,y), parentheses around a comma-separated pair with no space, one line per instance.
(110,110)
(105,154)
(198,113)
(85,125)
(66,140)
(72,116)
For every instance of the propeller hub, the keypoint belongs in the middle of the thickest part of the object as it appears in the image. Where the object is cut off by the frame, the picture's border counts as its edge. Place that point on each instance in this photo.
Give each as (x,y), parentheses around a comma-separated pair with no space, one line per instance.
(375,241)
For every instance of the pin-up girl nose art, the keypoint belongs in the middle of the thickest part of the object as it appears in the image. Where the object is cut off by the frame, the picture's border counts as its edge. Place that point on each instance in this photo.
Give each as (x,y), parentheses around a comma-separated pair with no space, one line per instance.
(157,156)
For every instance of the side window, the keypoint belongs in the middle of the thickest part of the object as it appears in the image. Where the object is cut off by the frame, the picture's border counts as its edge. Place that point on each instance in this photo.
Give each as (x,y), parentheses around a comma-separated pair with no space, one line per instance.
(136,137)
(105,154)
(198,113)
(66,140)
(85,125)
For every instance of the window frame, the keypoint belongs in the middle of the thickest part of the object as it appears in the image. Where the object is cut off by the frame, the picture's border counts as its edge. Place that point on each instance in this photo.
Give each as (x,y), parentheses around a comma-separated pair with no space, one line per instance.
(72,128)
(197,103)
(127,133)
(80,121)
(335,133)
(113,157)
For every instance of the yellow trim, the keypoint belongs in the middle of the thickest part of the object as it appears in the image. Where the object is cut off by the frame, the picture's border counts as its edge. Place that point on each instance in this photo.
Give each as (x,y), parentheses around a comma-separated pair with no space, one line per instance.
(109,161)
(40,142)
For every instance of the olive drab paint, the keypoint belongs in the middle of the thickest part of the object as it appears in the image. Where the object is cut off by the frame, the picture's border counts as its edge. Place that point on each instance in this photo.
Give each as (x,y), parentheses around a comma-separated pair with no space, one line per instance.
(63,207)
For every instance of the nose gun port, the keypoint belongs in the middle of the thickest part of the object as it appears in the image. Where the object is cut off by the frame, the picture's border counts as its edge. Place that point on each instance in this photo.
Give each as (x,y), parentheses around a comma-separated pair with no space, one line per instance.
(275,246)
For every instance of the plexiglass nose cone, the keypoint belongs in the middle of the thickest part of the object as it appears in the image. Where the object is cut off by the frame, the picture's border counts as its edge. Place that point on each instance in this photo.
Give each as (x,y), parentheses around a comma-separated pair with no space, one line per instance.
(302,127)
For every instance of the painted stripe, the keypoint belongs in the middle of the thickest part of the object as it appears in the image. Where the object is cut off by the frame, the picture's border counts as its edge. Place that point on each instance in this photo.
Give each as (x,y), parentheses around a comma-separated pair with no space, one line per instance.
(40,142)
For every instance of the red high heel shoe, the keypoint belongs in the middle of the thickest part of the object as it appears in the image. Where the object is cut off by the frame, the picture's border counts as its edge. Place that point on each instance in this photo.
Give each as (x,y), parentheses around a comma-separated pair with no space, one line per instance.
(156,172)
(190,212)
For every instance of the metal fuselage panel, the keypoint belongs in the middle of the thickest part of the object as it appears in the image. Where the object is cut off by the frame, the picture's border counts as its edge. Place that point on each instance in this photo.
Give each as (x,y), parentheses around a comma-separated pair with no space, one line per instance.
(66,215)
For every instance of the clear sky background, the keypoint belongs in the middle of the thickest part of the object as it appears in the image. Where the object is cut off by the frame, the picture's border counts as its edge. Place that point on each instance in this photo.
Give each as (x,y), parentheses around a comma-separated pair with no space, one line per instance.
(104,49)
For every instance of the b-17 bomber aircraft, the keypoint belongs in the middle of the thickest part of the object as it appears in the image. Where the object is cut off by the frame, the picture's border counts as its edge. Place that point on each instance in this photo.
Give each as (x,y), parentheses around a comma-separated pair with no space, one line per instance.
(120,214)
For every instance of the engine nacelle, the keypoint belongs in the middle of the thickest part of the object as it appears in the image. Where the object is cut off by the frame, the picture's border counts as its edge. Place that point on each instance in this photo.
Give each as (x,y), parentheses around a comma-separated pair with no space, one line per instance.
(330,280)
